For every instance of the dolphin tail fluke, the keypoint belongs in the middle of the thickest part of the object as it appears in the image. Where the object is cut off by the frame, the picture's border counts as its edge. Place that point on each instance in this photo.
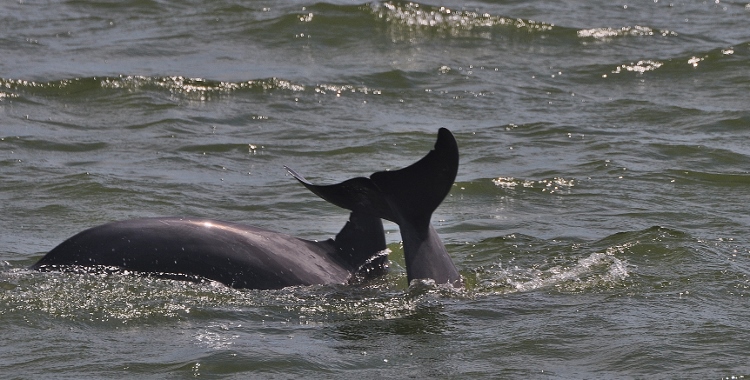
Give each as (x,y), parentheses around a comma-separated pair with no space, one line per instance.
(408,195)
(357,194)
(416,191)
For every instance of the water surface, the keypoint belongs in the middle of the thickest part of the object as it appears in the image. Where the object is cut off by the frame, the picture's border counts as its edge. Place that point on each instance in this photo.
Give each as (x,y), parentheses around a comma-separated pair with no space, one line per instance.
(599,218)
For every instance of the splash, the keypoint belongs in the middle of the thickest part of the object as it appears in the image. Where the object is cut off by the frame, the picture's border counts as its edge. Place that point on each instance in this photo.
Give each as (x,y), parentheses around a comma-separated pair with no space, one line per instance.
(122,298)
(597,270)
(98,296)
(582,275)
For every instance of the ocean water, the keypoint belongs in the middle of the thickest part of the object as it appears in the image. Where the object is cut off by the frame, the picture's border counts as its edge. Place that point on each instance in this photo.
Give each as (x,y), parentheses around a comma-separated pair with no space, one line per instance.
(600,216)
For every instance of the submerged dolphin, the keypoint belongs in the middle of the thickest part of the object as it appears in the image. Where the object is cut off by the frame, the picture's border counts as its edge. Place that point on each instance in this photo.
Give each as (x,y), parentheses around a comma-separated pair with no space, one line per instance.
(243,256)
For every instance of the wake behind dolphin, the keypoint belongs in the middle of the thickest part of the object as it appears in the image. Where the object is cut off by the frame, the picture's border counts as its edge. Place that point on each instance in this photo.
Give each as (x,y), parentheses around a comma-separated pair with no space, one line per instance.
(242,256)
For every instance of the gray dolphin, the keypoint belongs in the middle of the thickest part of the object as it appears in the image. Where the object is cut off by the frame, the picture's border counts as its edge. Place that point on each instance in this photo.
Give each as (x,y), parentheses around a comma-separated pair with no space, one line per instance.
(242,256)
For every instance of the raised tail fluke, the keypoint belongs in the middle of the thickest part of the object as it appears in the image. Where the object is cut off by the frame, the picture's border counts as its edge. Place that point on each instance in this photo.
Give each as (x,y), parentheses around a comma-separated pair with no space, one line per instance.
(407,197)
(414,192)
(357,194)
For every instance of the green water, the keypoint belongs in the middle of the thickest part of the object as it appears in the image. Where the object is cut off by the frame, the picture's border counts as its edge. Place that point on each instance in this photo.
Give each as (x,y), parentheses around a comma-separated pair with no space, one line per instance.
(599,217)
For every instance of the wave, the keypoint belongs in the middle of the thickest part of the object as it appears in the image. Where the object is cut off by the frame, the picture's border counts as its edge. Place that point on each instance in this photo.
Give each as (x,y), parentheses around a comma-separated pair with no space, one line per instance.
(388,83)
(402,20)
(190,88)
(726,60)
(729,180)
(405,21)
(378,26)
(411,20)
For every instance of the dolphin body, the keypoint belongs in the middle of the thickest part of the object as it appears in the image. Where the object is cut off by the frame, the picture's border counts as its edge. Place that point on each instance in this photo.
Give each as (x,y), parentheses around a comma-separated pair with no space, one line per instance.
(242,256)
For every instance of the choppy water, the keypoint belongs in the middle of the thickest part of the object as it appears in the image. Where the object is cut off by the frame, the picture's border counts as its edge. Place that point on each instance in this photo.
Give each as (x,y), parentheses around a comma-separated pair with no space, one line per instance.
(600,216)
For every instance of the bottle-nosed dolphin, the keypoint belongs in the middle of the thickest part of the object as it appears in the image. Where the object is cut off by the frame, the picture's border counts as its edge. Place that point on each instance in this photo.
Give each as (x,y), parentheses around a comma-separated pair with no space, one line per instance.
(243,256)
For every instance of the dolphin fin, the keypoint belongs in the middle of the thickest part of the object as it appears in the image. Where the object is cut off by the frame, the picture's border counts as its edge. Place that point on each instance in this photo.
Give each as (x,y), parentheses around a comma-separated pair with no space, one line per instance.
(361,244)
